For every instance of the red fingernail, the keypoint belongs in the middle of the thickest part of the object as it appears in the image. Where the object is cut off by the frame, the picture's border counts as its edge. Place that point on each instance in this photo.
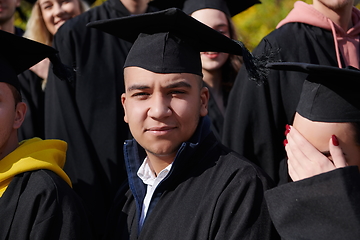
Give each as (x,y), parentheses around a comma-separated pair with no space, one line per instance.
(285,142)
(287,127)
(287,131)
(335,140)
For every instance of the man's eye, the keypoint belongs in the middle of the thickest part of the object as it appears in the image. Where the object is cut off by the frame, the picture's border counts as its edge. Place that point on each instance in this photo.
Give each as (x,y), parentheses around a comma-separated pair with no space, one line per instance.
(177,92)
(140,94)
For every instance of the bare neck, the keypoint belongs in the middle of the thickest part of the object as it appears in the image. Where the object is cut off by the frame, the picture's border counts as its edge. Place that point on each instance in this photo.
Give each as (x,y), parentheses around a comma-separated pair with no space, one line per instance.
(8,26)
(339,15)
(157,164)
(135,6)
(11,144)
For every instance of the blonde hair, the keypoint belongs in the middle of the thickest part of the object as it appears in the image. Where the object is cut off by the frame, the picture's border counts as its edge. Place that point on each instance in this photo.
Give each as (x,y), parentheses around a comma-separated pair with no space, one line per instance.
(36,29)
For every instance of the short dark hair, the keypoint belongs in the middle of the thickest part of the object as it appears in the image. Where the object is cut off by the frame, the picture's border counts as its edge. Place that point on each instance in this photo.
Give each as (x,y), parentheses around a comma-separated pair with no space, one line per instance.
(16,94)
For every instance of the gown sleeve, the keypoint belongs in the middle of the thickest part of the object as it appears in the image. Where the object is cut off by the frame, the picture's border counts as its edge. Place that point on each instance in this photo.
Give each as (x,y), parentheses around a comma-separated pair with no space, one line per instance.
(326,206)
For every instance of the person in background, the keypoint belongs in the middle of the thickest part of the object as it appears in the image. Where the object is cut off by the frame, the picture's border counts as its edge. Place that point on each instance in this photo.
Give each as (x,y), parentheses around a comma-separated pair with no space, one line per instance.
(182,182)
(45,19)
(325,33)
(7,16)
(219,69)
(323,149)
(36,199)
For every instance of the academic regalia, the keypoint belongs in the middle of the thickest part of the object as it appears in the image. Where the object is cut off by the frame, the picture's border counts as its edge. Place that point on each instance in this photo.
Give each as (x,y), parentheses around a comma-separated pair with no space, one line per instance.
(256,115)
(33,96)
(327,205)
(41,205)
(216,117)
(36,199)
(210,192)
(38,202)
(87,113)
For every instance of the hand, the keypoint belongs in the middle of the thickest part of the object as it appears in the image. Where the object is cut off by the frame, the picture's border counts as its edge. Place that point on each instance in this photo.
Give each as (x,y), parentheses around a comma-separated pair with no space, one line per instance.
(305,161)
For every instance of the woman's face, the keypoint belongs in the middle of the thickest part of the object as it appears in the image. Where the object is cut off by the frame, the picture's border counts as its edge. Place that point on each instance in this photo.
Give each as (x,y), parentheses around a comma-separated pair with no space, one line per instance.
(217,20)
(56,12)
(319,134)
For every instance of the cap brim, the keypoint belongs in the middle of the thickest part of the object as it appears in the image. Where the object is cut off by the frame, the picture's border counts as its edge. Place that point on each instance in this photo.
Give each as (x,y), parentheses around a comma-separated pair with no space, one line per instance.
(22,53)
(314,69)
(200,36)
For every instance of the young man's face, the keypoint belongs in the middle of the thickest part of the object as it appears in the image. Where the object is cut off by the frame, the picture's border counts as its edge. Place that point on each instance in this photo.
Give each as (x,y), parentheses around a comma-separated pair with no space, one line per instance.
(11,118)
(7,9)
(163,110)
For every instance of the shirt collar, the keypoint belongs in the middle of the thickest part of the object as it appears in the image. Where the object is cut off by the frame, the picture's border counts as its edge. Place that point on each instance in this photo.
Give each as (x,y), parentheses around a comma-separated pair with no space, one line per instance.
(148,176)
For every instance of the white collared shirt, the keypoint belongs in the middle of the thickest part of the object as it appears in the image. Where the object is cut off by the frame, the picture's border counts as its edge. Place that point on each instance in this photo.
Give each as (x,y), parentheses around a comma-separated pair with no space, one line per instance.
(148,177)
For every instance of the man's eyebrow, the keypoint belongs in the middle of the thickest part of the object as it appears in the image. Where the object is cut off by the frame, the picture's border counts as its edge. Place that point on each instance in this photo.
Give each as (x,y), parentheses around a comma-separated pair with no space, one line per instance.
(137,87)
(179,84)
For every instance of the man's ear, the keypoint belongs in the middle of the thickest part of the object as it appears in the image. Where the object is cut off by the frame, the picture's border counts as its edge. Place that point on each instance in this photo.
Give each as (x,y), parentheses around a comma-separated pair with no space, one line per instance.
(20,112)
(204,98)
(123,98)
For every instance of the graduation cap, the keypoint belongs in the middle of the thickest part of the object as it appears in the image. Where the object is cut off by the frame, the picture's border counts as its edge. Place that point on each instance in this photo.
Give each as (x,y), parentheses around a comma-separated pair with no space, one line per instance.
(329,94)
(165,4)
(170,41)
(229,7)
(19,54)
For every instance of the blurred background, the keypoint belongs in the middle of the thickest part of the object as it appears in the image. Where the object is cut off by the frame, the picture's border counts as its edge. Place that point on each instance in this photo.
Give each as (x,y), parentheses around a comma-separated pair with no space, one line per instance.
(252,25)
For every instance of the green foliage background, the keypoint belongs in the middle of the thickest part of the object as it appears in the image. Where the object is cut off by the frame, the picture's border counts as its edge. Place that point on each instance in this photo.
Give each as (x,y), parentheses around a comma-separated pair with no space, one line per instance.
(252,25)
(259,20)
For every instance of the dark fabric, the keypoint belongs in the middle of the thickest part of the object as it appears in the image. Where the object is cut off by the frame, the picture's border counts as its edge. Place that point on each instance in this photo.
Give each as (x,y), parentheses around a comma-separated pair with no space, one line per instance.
(229,7)
(87,113)
(214,113)
(41,205)
(334,102)
(209,193)
(329,94)
(174,21)
(325,206)
(19,32)
(191,6)
(256,115)
(19,55)
(33,95)
(164,53)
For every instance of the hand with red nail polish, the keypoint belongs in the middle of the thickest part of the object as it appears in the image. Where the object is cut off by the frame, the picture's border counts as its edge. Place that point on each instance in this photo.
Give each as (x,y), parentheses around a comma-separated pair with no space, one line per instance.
(334,140)
(305,161)
(337,154)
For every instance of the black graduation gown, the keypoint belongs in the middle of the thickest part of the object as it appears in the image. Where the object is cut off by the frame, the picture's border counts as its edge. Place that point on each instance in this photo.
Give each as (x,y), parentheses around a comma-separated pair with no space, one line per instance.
(33,95)
(209,193)
(87,113)
(41,205)
(216,117)
(326,206)
(256,115)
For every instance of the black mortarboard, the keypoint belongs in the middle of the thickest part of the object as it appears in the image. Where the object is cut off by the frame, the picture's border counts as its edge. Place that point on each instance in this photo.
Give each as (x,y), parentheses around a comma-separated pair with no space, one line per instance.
(170,41)
(229,7)
(19,54)
(329,94)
